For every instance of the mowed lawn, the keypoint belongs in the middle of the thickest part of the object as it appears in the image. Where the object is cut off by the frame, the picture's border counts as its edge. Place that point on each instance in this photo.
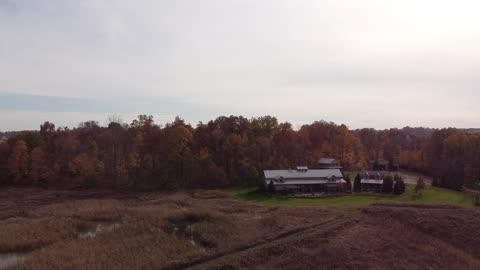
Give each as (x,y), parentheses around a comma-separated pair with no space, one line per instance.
(431,195)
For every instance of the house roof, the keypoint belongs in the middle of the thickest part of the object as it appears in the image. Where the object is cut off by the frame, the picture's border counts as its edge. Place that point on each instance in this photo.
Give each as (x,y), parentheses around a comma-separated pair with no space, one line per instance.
(302,175)
(371,181)
(309,182)
(327,161)
(381,173)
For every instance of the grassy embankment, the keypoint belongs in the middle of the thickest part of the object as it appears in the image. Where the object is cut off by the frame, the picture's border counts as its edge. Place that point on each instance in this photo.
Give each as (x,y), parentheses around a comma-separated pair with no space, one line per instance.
(431,195)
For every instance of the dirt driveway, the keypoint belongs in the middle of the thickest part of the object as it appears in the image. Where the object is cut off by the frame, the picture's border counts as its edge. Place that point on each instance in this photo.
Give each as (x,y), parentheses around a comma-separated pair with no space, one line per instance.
(412,177)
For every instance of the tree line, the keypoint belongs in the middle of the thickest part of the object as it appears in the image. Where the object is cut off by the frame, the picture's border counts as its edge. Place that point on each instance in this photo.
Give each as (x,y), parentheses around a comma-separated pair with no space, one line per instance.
(225,152)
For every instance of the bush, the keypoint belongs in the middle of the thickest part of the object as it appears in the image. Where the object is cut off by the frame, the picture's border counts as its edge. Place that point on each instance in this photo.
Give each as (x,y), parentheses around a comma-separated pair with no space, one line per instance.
(387,186)
(357,185)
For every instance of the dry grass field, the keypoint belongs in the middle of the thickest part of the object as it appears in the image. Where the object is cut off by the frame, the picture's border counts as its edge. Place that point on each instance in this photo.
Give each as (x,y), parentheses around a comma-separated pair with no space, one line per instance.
(210,230)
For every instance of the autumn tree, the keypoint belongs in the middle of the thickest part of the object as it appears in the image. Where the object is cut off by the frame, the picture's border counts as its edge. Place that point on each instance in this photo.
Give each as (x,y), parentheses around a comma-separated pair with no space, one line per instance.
(394,144)
(144,156)
(39,170)
(350,150)
(65,148)
(87,166)
(288,146)
(227,151)
(31,138)
(264,126)
(179,157)
(4,156)
(248,173)
(47,132)
(369,139)
(420,186)
(116,144)
(209,174)
(18,161)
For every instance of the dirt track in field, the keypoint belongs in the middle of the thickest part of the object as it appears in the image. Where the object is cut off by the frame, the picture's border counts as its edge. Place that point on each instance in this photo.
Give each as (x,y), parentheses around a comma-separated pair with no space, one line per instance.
(209,230)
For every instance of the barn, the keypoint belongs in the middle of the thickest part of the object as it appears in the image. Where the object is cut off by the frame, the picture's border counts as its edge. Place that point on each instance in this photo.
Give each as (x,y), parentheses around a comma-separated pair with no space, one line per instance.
(305,180)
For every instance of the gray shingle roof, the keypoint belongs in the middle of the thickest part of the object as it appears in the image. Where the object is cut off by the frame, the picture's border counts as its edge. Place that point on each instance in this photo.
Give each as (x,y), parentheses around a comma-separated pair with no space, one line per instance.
(309,182)
(371,181)
(294,174)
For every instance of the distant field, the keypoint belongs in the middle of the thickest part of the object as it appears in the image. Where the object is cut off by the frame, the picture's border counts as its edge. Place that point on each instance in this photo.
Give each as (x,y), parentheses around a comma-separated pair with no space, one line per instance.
(431,196)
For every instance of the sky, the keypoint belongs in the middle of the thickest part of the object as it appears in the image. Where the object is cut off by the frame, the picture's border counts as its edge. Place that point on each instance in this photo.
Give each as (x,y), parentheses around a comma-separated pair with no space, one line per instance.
(369,63)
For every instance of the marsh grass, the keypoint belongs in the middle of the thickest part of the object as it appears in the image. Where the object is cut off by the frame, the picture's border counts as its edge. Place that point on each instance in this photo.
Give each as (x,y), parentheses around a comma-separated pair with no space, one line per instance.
(143,234)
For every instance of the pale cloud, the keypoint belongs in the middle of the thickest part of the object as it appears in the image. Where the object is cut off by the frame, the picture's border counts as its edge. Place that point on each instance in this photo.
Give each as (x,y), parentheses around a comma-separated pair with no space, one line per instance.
(363,63)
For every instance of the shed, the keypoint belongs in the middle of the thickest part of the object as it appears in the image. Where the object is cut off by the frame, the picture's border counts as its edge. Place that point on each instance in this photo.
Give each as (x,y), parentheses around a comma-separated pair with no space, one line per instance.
(372,181)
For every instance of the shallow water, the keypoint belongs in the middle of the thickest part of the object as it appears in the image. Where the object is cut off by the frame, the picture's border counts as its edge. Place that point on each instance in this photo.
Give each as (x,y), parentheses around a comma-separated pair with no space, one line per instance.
(187,233)
(11,259)
(98,229)
(192,237)
(175,230)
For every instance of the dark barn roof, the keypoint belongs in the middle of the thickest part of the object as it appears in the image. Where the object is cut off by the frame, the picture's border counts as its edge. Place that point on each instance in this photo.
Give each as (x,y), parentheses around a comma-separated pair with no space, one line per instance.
(327,161)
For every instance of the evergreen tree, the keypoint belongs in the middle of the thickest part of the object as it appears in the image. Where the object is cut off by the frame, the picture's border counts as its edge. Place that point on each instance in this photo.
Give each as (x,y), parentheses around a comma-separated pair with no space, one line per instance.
(387,186)
(399,187)
(357,185)
(271,187)
(435,182)
(349,183)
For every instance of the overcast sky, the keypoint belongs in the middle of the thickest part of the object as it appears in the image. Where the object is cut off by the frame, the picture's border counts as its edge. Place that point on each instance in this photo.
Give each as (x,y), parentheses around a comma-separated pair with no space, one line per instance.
(362,63)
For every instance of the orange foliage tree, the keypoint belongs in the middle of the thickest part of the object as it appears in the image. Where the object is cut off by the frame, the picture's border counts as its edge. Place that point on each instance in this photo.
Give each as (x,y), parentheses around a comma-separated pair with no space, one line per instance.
(18,161)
